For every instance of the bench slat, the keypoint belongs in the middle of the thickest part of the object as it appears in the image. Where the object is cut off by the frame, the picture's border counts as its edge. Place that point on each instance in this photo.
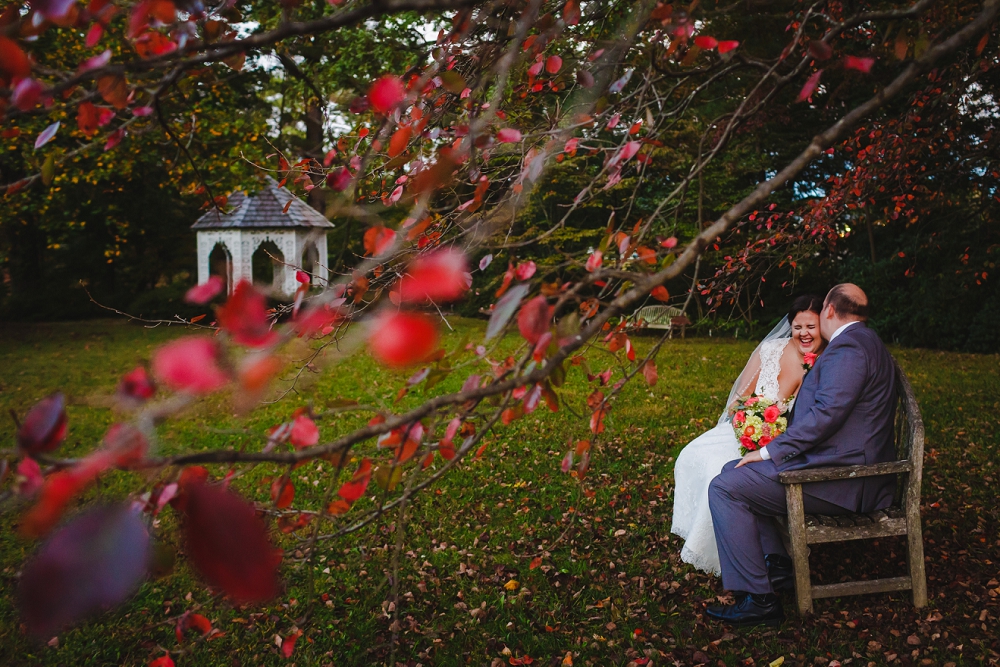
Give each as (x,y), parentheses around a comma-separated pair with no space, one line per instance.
(862,587)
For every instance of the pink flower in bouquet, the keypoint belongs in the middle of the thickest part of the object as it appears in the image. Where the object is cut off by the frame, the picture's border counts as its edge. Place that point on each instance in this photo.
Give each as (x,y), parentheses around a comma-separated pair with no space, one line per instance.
(771,414)
(749,431)
(750,401)
(740,417)
(764,439)
(747,443)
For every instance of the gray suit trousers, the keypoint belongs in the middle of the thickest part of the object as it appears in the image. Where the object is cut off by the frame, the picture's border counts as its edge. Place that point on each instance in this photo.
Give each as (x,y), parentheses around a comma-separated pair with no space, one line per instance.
(744,503)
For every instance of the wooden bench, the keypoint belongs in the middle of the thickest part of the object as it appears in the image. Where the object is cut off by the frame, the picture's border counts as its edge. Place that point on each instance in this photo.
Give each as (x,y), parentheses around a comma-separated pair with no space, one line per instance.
(902,518)
(661,317)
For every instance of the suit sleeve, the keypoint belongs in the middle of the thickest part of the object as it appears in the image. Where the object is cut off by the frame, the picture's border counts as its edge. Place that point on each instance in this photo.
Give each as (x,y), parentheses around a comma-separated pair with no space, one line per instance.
(843,376)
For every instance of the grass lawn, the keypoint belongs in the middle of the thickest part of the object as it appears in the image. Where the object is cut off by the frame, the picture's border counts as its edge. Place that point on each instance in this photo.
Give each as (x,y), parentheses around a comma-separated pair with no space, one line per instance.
(610,589)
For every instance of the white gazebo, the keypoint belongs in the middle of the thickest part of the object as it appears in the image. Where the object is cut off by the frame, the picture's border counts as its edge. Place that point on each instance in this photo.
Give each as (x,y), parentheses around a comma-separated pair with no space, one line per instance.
(266,230)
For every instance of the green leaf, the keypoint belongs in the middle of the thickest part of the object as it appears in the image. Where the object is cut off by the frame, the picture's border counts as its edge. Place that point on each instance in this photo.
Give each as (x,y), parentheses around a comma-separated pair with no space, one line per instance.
(505,309)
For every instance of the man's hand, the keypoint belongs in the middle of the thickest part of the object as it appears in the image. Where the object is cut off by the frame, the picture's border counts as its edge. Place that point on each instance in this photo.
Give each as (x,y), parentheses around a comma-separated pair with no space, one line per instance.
(750,458)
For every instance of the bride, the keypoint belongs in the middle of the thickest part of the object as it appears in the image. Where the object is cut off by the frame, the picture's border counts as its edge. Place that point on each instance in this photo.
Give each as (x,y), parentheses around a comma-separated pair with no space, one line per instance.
(775,371)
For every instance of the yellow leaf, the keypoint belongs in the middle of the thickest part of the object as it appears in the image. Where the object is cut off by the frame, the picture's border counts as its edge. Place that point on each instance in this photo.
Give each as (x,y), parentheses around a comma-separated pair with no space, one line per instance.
(512,585)
(777,663)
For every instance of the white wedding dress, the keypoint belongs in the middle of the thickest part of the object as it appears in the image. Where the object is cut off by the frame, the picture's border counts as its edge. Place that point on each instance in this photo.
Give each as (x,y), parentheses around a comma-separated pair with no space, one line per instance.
(702,459)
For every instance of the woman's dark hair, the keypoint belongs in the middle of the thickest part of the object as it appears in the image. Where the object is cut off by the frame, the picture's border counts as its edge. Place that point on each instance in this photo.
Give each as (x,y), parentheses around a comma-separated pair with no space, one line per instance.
(803,303)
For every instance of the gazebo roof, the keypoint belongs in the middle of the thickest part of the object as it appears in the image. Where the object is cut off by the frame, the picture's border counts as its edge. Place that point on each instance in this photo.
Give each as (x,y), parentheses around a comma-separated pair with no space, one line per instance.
(264,210)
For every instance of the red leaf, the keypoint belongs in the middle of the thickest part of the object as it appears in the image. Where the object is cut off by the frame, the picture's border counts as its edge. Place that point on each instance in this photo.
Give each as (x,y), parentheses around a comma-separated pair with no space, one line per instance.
(29,478)
(377,239)
(304,432)
(126,444)
(136,385)
(338,179)
(45,425)
(114,89)
(13,60)
(553,64)
(191,621)
(206,291)
(189,364)
(229,545)
(669,243)
(282,493)
(93,563)
(162,661)
(244,316)
(508,135)
(649,372)
(52,9)
(534,319)
(438,276)
(353,489)
(535,562)
(94,35)
(86,118)
(571,12)
(820,50)
(594,261)
(288,643)
(525,270)
(727,46)
(399,141)
(706,42)
(860,64)
(660,293)
(26,94)
(386,93)
(810,87)
(403,339)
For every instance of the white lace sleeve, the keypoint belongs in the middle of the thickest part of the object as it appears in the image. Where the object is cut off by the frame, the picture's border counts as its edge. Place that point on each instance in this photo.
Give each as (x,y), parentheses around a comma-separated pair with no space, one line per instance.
(770,366)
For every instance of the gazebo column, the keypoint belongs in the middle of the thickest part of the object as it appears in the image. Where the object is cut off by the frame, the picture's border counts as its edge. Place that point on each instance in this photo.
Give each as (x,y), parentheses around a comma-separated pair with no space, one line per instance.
(205,245)
(289,248)
(242,257)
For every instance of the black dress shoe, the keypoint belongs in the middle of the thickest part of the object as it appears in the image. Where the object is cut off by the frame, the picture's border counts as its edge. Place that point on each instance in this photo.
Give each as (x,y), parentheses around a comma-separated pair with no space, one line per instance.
(750,609)
(780,572)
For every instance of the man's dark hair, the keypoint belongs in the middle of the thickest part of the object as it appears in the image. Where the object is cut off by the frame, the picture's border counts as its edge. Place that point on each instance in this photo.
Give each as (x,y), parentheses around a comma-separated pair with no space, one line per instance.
(805,302)
(848,301)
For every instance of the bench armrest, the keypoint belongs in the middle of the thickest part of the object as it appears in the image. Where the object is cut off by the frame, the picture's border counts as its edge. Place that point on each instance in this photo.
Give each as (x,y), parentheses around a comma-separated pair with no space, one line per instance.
(844,472)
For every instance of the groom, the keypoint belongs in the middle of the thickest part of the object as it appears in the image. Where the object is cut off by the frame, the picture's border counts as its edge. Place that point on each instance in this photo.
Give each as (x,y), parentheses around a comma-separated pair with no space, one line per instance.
(843,416)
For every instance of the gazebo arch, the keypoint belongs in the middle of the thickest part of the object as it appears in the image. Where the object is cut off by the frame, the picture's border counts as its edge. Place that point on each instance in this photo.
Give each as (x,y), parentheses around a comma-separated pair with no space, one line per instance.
(270,216)
(268,264)
(220,263)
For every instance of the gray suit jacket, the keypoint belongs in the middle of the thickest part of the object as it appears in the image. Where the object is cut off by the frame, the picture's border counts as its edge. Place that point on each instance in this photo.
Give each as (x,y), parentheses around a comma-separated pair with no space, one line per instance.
(844,415)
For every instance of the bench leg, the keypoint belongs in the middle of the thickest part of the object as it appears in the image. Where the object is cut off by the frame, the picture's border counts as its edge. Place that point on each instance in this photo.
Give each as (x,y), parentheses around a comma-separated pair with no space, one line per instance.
(915,542)
(800,549)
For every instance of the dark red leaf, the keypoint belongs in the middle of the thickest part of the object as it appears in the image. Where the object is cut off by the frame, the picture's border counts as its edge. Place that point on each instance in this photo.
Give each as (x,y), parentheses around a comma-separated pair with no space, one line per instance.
(13,60)
(338,179)
(353,489)
(45,425)
(244,316)
(553,64)
(228,544)
(534,319)
(95,562)
(136,385)
(282,493)
(288,643)
(727,46)
(820,50)
(706,42)
(660,293)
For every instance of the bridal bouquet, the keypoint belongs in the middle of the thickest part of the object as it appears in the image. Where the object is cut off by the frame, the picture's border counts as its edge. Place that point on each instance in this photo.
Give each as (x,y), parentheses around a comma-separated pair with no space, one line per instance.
(757,421)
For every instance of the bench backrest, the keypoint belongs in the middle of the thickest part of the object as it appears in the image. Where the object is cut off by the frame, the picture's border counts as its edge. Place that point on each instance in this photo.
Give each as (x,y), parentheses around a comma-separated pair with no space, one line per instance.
(909,434)
(657,314)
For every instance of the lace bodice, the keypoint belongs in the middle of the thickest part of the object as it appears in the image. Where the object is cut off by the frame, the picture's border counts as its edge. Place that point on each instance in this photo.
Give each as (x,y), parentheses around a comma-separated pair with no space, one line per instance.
(770,366)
